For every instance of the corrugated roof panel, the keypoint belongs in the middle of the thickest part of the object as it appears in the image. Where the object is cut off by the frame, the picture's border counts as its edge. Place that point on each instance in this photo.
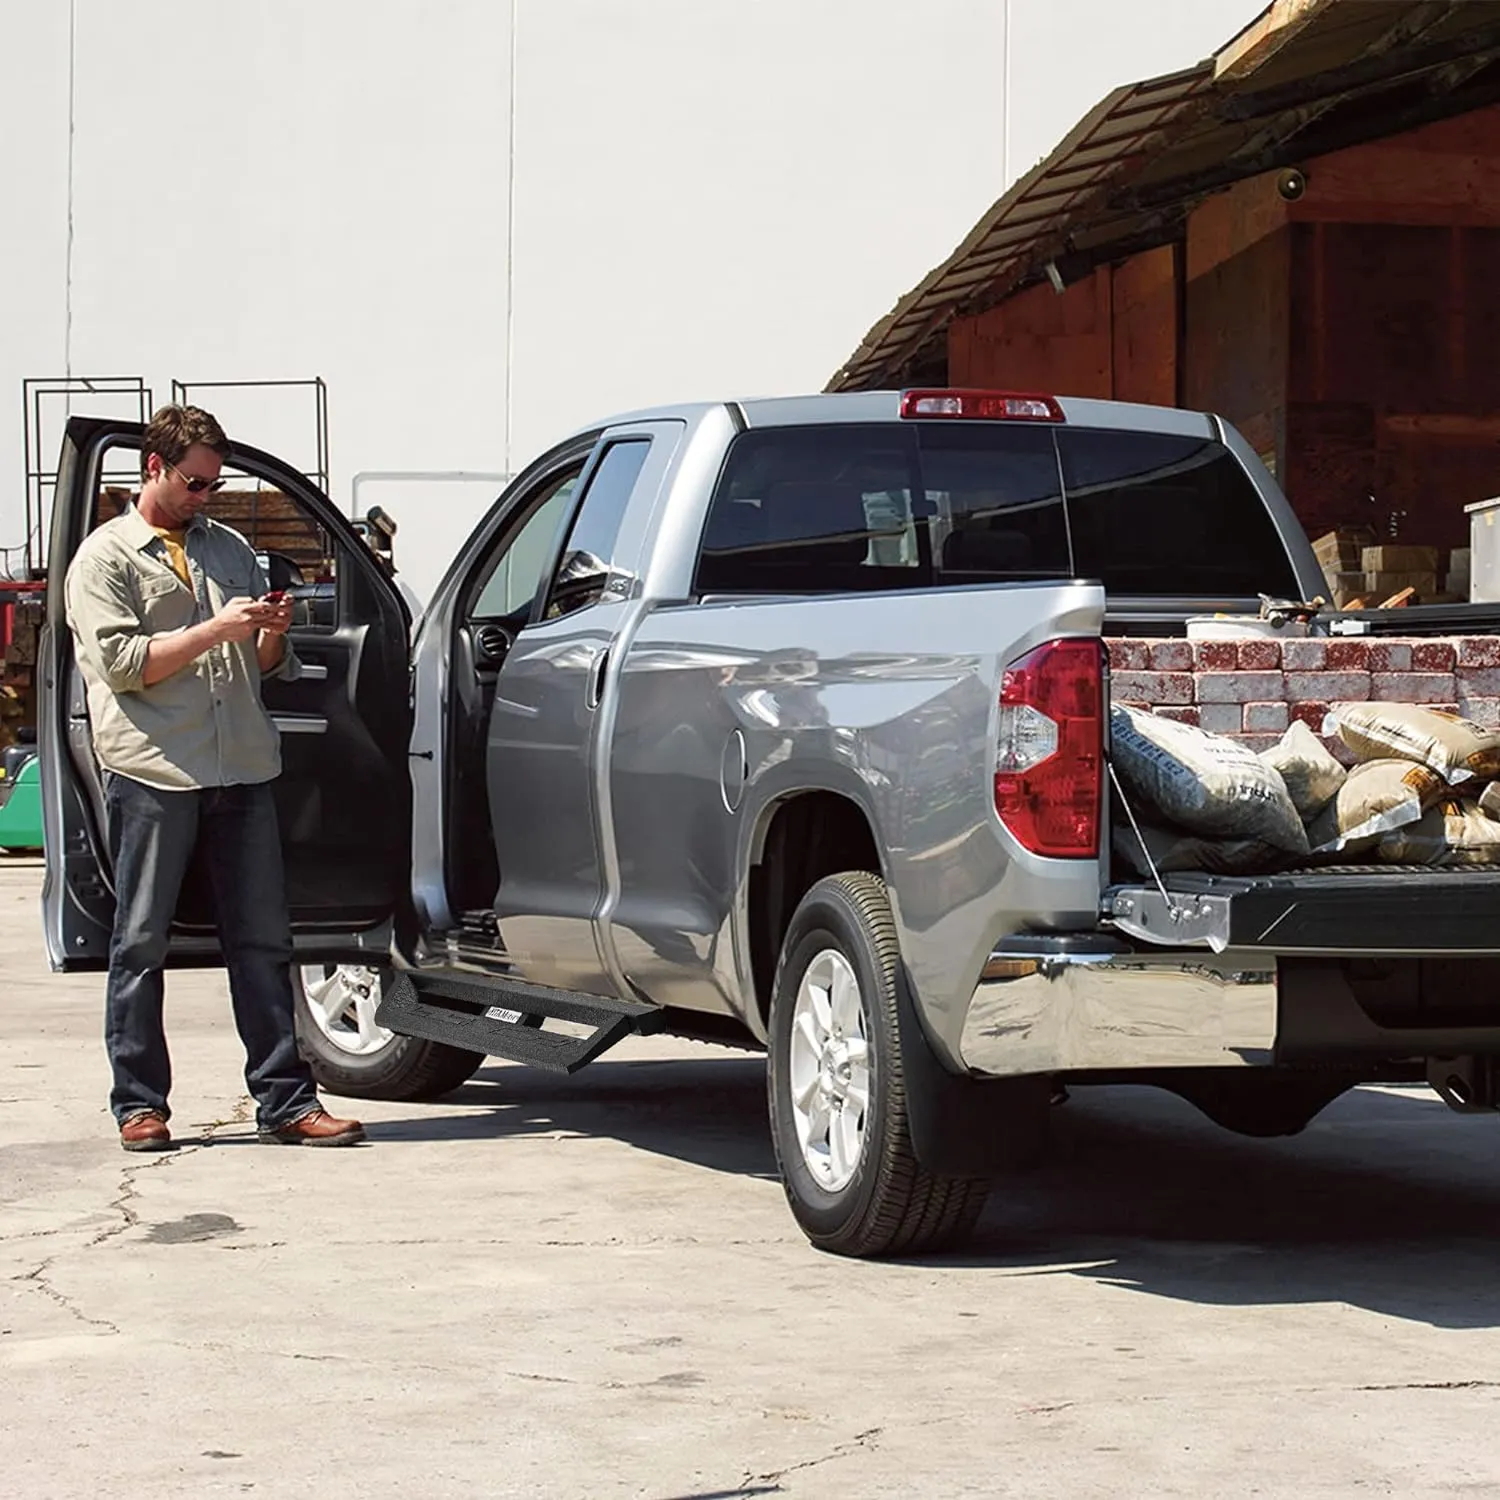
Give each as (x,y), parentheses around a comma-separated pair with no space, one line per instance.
(1132,149)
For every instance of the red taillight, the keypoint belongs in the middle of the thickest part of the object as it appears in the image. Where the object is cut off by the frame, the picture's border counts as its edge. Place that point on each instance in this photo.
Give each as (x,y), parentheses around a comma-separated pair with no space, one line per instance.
(1049,762)
(984,406)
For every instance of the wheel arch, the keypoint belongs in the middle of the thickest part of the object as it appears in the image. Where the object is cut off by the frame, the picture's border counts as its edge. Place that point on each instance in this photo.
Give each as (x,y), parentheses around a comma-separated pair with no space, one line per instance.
(799,838)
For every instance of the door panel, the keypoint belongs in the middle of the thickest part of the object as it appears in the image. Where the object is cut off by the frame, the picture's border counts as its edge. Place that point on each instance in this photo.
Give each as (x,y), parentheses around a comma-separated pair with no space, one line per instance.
(343,795)
(548,739)
(496,605)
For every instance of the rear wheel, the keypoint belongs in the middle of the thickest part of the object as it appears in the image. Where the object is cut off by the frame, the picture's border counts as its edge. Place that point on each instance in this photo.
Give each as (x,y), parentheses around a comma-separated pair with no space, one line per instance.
(837,1087)
(350,1053)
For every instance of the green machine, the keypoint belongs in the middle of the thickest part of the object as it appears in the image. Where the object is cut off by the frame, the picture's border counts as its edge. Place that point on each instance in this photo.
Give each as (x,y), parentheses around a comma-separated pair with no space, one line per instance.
(20,801)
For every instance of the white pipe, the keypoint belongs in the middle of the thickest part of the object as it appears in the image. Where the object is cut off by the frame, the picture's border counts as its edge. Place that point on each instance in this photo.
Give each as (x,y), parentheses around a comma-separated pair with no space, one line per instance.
(399,476)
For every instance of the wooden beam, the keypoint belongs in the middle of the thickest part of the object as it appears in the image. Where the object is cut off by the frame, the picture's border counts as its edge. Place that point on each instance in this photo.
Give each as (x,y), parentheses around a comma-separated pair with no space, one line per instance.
(1331,133)
(1388,57)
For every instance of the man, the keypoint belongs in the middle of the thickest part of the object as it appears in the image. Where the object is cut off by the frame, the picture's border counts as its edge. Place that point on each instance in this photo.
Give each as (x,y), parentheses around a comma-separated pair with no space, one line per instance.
(173,637)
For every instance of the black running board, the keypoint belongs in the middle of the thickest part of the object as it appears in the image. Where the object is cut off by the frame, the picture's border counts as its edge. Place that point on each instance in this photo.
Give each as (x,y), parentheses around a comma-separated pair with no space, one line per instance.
(503,1018)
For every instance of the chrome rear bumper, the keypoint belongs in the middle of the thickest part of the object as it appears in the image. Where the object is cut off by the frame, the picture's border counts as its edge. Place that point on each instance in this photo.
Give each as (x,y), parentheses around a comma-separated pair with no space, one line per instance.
(1046,1005)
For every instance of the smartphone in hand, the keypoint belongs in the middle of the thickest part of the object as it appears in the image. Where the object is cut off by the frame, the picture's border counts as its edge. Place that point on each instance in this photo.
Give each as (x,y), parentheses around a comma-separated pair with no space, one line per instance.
(274,597)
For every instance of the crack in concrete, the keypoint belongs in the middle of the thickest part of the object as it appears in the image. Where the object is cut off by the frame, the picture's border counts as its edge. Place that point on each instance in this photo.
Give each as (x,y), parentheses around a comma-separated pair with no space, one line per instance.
(129,1192)
(120,1204)
(241,1351)
(39,1279)
(39,1234)
(1434,1385)
(858,1443)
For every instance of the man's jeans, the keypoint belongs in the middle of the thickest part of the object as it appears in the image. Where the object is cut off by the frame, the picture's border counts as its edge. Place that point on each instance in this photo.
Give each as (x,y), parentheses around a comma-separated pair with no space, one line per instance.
(152,838)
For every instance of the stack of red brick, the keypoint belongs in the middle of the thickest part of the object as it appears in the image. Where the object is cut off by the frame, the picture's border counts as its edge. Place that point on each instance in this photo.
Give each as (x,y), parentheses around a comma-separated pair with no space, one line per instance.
(1253,689)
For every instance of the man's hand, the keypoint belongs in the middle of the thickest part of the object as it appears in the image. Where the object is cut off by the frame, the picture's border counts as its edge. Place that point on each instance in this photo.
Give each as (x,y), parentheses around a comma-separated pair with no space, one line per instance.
(278,619)
(240,619)
(270,644)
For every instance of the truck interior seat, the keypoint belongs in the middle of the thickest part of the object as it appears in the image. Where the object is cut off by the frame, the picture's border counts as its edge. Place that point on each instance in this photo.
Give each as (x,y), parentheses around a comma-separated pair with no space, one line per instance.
(818,522)
(978,550)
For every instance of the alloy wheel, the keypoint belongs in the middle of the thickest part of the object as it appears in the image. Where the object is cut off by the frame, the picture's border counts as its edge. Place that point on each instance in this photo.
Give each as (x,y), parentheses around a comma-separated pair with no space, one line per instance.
(342,1000)
(829,1070)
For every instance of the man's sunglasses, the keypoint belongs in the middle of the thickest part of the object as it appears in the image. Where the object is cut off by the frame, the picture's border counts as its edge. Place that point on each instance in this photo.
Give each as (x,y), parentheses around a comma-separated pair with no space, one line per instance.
(196,483)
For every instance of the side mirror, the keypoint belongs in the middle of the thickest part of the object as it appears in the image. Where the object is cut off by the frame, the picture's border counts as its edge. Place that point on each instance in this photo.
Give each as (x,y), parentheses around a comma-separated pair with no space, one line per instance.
(281,571)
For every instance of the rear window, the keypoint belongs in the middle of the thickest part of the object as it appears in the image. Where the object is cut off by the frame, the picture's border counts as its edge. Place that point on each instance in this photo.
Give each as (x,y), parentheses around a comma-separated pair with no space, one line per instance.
(1155,514)
(862,508)
(883,506)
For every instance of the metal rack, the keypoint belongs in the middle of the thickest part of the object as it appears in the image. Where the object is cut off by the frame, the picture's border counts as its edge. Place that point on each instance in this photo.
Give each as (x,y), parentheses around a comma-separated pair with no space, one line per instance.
(41,481)
(43,439)
(182,393)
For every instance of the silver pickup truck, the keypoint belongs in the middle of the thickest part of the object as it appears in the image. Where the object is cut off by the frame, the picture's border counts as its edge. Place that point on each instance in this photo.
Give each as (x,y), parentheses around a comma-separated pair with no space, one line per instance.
(784,723)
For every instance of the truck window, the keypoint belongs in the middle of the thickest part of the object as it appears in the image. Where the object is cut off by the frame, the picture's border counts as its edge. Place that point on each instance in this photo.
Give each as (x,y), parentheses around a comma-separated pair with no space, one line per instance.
(583,567)
(999,502)
(831,509)
(1157,514)
(515,570)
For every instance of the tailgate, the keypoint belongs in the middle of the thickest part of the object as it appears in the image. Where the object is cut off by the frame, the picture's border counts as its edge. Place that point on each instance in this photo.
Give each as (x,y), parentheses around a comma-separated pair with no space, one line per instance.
(1355,909)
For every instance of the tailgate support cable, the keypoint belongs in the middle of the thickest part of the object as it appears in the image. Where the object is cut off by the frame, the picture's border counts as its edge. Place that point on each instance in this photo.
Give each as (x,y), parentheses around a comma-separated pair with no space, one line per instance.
(1135,828)
(1198,920)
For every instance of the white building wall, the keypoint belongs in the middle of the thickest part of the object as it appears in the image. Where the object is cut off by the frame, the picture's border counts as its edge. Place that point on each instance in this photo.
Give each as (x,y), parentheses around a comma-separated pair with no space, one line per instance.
(711,197)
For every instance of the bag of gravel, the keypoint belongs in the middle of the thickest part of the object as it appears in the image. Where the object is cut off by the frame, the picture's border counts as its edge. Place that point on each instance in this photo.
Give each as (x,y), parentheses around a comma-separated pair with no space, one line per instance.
(1170,849)
(1489,799)
(1202,782)
(1455,748)
(1308,768)
(1376,797)
(1455,832)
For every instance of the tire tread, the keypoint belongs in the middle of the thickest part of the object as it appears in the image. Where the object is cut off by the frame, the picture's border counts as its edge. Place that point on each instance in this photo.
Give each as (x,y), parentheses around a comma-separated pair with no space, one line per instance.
(912,1210)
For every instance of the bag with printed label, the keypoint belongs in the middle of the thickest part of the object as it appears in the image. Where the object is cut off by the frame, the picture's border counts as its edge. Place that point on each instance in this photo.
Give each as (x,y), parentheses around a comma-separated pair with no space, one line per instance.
(1457,749)
(1168,849)
(1203,783)
(1455,832)
(1376,797)
(1312,775)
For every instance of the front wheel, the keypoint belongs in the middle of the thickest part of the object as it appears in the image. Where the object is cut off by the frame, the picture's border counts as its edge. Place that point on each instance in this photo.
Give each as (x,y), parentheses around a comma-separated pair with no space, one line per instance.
(351,1054)
(837,1086)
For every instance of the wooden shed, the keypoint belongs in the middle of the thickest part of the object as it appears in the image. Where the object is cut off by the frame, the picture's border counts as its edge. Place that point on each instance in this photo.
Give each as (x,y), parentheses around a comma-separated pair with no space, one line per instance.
(1302,234)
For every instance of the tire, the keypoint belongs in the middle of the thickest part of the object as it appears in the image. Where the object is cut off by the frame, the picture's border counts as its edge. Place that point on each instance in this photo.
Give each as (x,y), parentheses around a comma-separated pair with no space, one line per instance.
(350,1055)
(856,1187)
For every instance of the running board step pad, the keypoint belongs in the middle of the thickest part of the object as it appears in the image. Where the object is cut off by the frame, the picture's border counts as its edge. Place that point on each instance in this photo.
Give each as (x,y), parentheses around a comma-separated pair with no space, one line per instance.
(501,1018)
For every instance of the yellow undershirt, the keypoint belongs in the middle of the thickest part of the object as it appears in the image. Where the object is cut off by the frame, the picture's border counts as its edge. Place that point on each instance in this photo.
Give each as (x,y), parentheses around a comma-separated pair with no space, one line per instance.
(176,545)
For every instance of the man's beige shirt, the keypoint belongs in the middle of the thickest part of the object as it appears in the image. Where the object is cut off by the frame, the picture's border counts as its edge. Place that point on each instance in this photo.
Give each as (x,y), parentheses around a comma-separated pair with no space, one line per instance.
(205,725)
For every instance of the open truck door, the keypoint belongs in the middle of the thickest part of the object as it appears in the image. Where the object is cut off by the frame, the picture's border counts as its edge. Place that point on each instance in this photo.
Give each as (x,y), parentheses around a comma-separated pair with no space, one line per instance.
(344,795)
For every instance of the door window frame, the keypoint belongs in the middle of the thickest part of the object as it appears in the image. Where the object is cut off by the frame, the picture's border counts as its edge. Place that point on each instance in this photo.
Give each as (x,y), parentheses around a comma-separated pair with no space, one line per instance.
(616,579)
(509,517)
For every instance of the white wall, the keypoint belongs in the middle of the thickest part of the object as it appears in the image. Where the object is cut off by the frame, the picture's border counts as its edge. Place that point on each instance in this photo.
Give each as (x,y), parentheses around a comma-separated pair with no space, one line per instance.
(711,198)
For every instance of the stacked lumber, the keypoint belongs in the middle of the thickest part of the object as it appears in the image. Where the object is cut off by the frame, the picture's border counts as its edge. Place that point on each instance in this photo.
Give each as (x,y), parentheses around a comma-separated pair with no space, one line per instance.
(18,673)
(1364,574)
(268,519)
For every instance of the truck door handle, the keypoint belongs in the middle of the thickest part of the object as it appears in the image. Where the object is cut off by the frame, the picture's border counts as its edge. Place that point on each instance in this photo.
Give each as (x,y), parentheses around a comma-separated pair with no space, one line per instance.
(597,668)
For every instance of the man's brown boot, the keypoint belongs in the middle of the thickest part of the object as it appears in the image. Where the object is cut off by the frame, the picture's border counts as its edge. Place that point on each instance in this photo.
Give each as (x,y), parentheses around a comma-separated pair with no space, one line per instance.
(316,1128)
(146,1131)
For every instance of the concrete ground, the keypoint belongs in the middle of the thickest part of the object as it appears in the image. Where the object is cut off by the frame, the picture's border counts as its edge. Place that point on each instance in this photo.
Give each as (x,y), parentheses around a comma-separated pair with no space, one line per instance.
(592,1287)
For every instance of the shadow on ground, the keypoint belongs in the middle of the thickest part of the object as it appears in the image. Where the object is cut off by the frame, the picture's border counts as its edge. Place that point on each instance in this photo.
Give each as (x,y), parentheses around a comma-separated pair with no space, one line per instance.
(1388,1201)
(711,1112)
